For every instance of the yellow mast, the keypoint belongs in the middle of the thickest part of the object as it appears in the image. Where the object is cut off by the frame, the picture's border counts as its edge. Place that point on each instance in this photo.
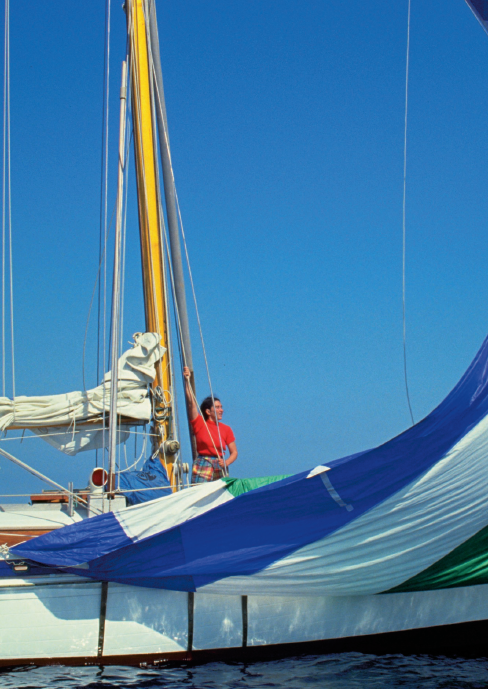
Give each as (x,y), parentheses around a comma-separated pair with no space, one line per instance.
(153,267)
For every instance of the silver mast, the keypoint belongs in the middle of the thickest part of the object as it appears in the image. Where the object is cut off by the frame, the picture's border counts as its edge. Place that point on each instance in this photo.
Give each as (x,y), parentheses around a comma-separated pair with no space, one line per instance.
(114,381)
(170,198)
(169,187)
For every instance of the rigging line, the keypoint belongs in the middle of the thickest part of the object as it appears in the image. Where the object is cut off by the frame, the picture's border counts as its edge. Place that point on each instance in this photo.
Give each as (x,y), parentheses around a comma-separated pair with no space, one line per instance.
(80,430)
(129,130)
(27,495)
(5,73)
(182,349)
(3,188)
(7,206)
(116,279)
(129,139)
(103,150)
(103,247)
(135,445)
(102,169)
(403,218)
(162,238)
(77,496)
(140,490)
(225,467)
(165,242)
(138,109)
(186,251)
(107,110)
(179,335)
(97,283)
(107,119)
(143,451)
(10,222)
(56,494)
(196,309)
(137,99)
(127,143)
(137,94)
(124,234)
(39,475)
(160,215)
(134,464)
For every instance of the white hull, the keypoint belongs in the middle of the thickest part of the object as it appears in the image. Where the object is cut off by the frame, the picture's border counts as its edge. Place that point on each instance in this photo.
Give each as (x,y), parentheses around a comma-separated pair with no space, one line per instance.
(59,618)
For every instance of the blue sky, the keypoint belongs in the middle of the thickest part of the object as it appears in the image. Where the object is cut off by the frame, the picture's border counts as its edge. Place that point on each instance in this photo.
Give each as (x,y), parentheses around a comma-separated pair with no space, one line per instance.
(286,126)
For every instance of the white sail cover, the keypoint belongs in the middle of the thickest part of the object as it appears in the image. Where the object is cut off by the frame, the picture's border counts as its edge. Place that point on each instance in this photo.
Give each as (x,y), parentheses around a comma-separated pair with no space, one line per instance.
(54,417)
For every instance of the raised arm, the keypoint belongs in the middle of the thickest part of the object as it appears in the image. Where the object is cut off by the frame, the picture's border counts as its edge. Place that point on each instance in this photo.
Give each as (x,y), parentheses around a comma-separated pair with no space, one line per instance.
(190,399)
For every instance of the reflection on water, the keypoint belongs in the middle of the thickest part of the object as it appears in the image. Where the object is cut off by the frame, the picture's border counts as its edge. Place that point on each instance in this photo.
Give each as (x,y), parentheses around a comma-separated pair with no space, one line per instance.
(340,671)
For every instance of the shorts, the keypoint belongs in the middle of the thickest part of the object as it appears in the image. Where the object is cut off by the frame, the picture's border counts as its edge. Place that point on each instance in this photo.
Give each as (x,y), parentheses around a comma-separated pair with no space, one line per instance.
(206,469)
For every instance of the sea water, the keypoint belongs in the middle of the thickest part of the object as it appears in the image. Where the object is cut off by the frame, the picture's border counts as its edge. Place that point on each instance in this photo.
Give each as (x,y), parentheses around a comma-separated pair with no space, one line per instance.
(339,671)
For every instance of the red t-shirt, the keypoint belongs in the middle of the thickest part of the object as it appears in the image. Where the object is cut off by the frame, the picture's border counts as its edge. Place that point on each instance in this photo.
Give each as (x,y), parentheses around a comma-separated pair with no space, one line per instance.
(205,434)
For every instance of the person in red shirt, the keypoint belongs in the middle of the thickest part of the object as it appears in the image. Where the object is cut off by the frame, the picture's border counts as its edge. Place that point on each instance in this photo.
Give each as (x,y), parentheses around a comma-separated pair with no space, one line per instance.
(212,437)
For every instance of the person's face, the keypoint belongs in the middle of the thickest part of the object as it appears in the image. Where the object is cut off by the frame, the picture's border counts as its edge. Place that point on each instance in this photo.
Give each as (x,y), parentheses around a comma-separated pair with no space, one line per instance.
(217,411)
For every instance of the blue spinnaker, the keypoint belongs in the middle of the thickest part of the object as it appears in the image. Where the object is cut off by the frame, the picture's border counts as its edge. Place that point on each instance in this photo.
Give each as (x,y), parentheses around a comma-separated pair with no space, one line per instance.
(249,534)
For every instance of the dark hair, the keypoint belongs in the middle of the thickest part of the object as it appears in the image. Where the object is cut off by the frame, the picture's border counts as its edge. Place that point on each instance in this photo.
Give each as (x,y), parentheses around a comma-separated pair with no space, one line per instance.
(207,403)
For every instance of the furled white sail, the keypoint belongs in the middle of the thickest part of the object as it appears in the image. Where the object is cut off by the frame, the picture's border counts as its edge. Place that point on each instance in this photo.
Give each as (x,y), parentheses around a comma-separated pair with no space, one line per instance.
(73,439)
(55,417)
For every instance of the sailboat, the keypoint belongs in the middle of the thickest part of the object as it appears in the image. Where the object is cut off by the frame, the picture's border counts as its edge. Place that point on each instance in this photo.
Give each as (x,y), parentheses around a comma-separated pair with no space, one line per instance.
(381,550)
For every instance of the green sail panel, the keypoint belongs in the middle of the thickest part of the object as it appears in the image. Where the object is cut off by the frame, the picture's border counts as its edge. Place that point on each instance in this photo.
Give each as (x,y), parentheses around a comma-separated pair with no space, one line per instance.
(466,565)
(238,486)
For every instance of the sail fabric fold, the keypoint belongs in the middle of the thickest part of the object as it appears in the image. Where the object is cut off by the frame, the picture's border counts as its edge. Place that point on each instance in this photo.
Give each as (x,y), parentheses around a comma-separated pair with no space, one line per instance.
(111,532)
(362,524)
(146,484)
(55,417)
(71,440)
